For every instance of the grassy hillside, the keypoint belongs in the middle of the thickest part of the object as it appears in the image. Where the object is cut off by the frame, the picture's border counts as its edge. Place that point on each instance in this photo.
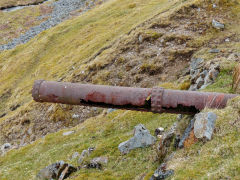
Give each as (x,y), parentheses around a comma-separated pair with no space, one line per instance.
(10,3)
(105,49)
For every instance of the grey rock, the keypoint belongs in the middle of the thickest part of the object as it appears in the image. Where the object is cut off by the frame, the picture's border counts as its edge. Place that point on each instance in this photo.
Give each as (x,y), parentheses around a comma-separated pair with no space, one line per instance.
(196,63)
(204,125)
(68,133)
(214,51)
(6,146)
(162,173)
(101,160)
(217,24)
(141,138)
(83,155)
(199,82)
(110,110)
(58,170)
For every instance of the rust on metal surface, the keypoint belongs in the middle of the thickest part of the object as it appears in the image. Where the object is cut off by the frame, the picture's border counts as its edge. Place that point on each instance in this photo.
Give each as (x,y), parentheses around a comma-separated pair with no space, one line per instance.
(160,101)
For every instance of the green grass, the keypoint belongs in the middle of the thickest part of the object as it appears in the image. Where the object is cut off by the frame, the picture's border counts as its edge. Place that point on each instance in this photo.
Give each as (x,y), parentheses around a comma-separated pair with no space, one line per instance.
(104,133)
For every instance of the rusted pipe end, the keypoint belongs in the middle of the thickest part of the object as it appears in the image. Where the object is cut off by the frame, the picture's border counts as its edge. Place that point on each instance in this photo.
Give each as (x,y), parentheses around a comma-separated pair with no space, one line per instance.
(35,90)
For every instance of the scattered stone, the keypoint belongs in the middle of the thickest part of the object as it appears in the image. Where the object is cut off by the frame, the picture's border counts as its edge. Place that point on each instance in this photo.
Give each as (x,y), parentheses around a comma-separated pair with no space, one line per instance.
(214,51)
(101,160)
(159,131)
(196,63)
(141,138)
(162,173)
(6,147)
(217,24)
(204,125)
(140,39)
(110,110)
(90,150)
(68,133)
(75,116)
(201,74)
(58,170)
(82,157)
(227,40)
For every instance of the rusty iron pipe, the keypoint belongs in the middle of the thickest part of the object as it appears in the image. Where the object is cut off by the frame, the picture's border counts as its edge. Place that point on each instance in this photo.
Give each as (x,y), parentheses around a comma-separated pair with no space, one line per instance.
(156,99)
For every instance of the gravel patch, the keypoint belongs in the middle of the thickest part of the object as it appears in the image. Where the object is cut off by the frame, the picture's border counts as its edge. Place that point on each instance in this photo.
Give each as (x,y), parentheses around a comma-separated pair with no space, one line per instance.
(61,11)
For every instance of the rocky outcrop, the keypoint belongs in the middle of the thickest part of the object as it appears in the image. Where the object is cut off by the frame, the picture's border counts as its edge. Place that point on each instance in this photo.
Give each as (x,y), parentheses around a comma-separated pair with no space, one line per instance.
(202,74)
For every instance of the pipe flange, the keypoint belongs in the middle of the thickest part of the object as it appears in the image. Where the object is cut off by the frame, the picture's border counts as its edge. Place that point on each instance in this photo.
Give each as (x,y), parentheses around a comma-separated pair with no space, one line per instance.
(156,99)
(35,90)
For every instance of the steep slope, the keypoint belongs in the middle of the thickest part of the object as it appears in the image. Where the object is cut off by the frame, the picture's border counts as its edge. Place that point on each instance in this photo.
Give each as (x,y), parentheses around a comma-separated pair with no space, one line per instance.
(54,55)
(90,49)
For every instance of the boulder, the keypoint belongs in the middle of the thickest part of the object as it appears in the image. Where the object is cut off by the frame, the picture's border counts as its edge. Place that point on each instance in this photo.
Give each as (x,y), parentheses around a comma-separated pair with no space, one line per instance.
(204,125)
(141,138)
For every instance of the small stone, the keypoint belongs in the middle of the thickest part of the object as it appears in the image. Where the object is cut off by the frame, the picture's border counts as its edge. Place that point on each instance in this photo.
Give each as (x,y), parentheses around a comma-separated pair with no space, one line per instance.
(110,110)
(75,116)
(141,138)
(196,63)
(90,150)
(68,133)
(214,51)
(204,125)
(101,160)
(227,40)
(82,156)
(6,146)
(162,173)
(214,5)
(140,38)
(159,131)
(217,24)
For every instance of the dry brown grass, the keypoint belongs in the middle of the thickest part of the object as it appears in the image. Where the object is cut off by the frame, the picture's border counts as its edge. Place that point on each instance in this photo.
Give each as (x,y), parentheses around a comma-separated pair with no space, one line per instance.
(236,77)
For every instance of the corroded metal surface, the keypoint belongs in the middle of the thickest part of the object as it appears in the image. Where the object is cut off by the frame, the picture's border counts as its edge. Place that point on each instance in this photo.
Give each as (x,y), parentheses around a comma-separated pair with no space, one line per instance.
(143,99)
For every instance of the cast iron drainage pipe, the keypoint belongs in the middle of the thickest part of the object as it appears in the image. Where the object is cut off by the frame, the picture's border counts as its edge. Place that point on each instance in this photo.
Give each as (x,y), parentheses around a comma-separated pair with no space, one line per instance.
(156,99)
